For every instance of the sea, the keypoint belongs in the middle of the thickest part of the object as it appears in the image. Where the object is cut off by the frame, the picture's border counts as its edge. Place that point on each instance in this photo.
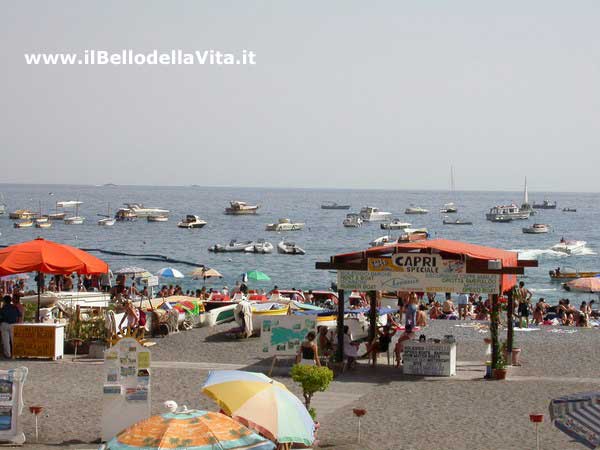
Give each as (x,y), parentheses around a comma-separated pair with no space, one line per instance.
(322,237)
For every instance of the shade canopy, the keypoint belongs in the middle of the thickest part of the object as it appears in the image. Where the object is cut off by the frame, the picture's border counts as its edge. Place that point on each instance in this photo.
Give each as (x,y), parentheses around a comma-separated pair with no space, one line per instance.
(41,255)
(590,284)
(169,272)
(190,430)
(131,270)
(205,272)
(257,275)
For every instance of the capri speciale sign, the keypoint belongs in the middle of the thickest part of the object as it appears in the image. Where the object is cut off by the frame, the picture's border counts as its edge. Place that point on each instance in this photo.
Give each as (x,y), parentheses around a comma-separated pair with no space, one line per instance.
(417,272)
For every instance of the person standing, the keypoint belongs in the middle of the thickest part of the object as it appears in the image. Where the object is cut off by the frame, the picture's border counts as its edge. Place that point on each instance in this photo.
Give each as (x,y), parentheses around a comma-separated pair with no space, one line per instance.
(9,315)
(523,297)
(462,301)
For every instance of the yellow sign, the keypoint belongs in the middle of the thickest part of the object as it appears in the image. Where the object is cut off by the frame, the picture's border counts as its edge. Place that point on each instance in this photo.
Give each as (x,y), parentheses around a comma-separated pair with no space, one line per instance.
(33,341)
(143,360)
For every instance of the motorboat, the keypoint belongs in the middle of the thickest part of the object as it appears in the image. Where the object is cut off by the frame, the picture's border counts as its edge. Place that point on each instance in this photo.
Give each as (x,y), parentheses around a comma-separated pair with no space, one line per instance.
(383,240)
(334,205)
(72,220)
(23,224)
(570,273)
(191,221)
(107,220)
(568,247)
(44,225)
(22,214)
(144,211)
(69,204)
(415,210)
(42,219)
(502,212)
(289,248)
(569,210)
(395,224)
(408,235)
(285,225)
(449,208)
(261,246)
(158,218)
(125,215)
(457,222)
(544,205)
(233,246)
(537,228)
(352,221)
(238,208)
(372,214)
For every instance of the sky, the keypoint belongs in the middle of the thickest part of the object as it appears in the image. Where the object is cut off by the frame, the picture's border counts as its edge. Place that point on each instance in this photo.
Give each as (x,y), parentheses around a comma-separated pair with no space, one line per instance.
(344,94)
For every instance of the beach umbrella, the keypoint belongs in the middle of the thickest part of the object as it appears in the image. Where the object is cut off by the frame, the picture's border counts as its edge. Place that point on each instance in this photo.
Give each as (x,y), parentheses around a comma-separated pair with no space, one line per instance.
(20,276)
(261,403)
(205,273)
(169,272)
(197,430)
(577,416)
(43,256)
(257,275)
(131,270)
(591,284)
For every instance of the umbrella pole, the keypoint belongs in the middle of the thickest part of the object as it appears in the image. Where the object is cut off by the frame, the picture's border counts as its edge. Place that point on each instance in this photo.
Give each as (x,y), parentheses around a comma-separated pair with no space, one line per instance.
(39,301)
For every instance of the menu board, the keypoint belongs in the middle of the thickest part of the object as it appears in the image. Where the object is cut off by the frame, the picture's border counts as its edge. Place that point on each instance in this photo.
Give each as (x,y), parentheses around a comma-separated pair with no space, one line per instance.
(429,359)
(126,389)
(11,404)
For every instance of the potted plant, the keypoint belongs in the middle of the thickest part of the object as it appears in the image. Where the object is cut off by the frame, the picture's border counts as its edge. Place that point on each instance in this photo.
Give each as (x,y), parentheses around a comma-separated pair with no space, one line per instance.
(312,379)
(500,369)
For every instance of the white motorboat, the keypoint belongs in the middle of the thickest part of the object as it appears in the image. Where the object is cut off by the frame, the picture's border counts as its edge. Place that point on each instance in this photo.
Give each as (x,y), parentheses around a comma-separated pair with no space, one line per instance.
(568,247)
(352,221)
(395,224)
(233,246)
(42,219)
(383,240)
(289,248)
(334,205)
(261,246)
(43,224)
(144,211)
(158,218)
(372,214)
(237,208)
(23,224)
(537,228)
(191,221)
(72,220)
(504,213)
(69,204)
(285,225)
(107,222)
(415,210)
(449,208)
(408,235)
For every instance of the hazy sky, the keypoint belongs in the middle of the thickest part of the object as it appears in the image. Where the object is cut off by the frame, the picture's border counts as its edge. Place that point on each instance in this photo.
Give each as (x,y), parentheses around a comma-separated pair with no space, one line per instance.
(383,94)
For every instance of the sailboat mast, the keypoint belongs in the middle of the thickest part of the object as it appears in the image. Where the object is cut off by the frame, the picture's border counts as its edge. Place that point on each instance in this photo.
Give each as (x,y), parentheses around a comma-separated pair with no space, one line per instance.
(525,194)
(452,187)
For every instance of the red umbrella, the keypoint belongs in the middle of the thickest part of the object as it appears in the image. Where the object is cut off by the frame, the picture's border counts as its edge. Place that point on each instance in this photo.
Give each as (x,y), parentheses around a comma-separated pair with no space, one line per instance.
(44,256)
(591,284)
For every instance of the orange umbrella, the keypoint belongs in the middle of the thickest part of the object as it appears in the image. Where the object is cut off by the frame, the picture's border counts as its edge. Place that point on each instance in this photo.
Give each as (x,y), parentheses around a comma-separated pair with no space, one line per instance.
(584,285)
(44,256)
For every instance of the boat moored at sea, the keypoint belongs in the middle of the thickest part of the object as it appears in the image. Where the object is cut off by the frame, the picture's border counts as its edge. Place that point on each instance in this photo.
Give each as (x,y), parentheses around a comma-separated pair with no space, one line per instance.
(501,213)
(537,228)
(449,208)
(569,210)
(23,224)
(457,222)
(191,221)
(125,215)
(569,246)
(334,205)
(233,246)
(22,214)
(546,204)
(395,224)
(352,220)
(412,209)
(157,218)
(107,222)
(239,208)
(144,211)
(373,214)
(285,225)
(43,225)
(570,273)
(75,219)
(289,248)
(261,247)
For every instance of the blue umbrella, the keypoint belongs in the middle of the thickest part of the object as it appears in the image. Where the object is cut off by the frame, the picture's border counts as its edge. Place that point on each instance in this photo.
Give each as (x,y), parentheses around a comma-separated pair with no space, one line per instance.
(169,272)
(578,415)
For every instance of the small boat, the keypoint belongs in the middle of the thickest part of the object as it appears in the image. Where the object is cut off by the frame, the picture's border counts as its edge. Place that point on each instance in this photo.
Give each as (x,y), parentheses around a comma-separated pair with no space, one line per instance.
(285,225)
(408,235)
(73,220)
(568,247)
(125,215)
(372,214)
(238,208)
(415,210)
(144,211)
(502,212)
(42,219)
(233,246)
(544,205)
(289,248)
(526,206)
(56,216)
(352,221)
(334,205)
(457,222)
(569,210)
(22,214)
(383,240)
(261,246)
(191,221)
(158,218)
(2,205)
(570,273)
(107,221)
(395,224)
(537,228)
(23,224)
(43,224)
(449,208)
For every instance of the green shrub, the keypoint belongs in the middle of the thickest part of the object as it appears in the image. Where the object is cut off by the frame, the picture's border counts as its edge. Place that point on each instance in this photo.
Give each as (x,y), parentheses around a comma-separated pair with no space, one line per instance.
(312,379)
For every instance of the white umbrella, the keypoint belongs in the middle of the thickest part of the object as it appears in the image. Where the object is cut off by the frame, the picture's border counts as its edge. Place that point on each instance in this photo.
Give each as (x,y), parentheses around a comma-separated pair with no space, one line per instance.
(169,272)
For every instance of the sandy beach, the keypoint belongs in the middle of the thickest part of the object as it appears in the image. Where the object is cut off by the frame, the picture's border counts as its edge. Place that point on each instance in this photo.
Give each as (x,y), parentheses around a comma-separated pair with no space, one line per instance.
(403,412)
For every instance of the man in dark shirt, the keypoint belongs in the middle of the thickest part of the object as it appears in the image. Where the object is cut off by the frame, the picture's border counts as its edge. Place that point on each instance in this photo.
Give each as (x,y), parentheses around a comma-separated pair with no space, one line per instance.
(9,314)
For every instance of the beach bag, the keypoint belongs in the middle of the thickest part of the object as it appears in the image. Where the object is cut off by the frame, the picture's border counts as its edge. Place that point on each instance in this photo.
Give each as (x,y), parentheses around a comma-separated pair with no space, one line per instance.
(142,319)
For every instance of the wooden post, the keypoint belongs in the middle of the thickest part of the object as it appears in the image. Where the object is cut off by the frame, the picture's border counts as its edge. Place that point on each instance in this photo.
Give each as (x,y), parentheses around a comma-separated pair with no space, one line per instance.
(494,329)
(510,308)
(273,365)
(340,327)
(372,315)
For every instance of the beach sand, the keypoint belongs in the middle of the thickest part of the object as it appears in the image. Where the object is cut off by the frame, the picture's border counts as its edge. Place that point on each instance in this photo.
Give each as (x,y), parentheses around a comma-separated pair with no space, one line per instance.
(403,412)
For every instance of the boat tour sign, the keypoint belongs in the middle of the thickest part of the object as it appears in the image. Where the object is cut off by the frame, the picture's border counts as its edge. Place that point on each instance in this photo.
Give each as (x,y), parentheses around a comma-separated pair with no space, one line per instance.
(417,272)
(283,335)
(429,359)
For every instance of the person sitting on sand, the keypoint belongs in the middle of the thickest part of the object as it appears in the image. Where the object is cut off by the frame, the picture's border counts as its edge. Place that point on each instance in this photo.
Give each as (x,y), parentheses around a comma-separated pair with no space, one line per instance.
(131,315)
(448,310)
(323,342)
(381,343)
(584,316)
(399,347)
(422,316)
(308,353)
(539,311)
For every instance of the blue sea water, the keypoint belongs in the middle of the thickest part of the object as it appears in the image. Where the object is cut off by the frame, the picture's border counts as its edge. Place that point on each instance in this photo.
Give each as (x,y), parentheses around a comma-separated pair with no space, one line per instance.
(322,237)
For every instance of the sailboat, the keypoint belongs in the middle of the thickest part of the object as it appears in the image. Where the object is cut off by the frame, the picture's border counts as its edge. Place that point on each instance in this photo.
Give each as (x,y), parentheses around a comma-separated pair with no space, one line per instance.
(108,221)
(42,221)
(526,206)
(450,208)
(73,220)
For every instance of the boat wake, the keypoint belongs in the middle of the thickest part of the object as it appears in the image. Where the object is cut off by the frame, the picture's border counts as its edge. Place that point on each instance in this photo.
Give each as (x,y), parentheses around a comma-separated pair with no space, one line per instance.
(537,253)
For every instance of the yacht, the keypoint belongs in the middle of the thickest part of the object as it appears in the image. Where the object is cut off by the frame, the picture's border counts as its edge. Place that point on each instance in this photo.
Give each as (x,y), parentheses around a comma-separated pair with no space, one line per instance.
(512,212)
(537,228)
(544,205)
(334,205)
(568,247)
(237,208)
(352,220)
(449,208)
(285,225)
(191,221)
(144,211)
(125,215)
(289,248)
(233,246)
(415,210)
(22,214)
(395,224)
(261,246)
(372,214)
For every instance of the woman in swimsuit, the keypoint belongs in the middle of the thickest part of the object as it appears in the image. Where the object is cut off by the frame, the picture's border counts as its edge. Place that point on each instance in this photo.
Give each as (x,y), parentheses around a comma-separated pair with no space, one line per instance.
(308,354)
(539,311)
